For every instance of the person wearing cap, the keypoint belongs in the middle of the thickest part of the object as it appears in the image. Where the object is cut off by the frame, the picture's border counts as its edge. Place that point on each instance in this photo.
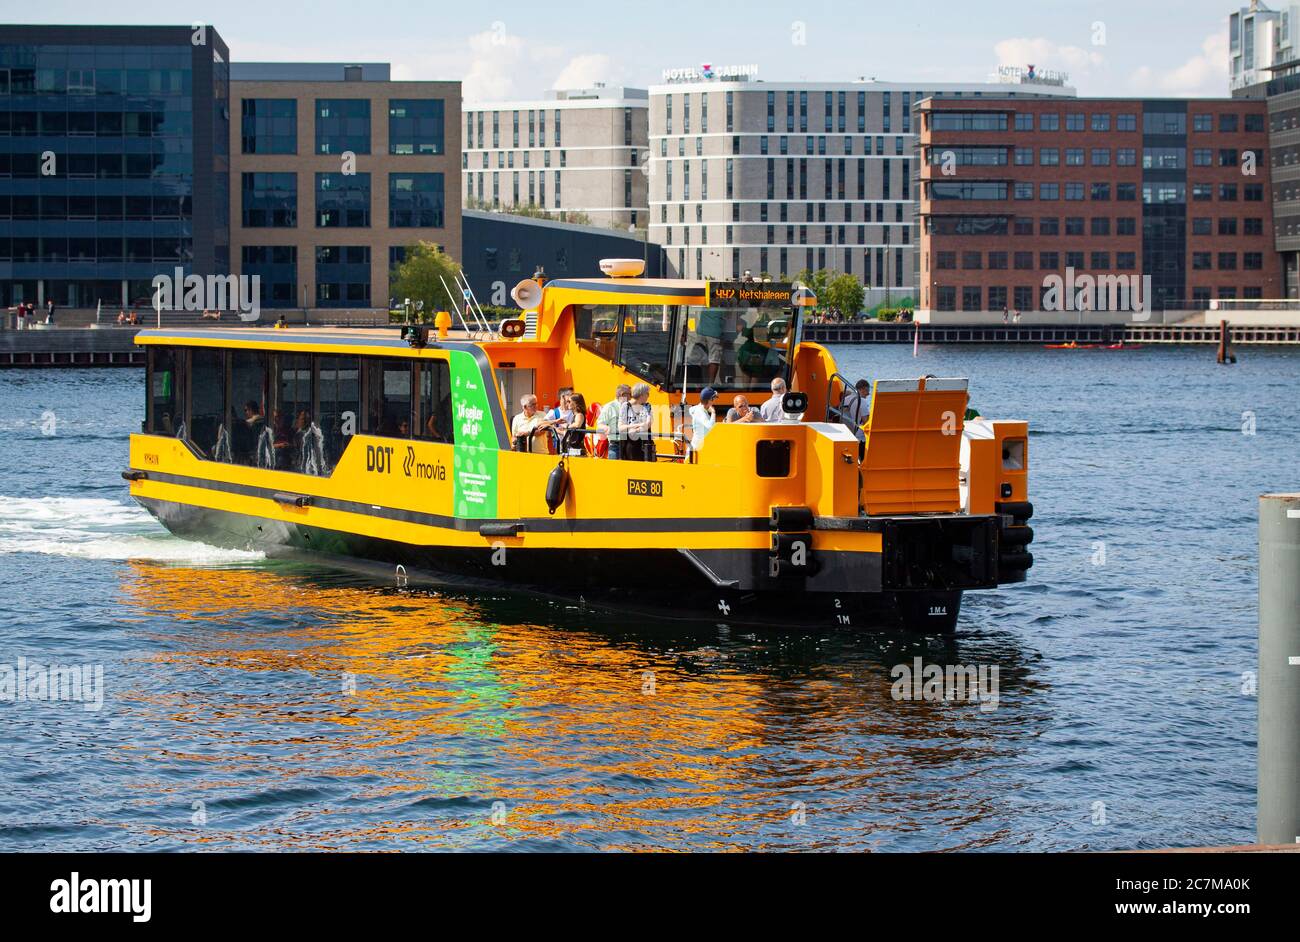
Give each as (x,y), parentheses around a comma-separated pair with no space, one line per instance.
(702,417)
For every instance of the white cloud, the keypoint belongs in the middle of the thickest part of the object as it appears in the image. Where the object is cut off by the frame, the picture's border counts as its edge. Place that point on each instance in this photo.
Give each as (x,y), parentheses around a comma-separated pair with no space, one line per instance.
(1046,54)
(585,70)
(1202,75)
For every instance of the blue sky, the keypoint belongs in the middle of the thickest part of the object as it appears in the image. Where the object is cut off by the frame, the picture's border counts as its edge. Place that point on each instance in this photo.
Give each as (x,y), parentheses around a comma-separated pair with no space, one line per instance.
(504,49)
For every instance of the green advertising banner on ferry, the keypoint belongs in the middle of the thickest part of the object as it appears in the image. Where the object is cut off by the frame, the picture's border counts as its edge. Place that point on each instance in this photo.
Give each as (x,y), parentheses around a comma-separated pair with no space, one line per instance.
(474,465)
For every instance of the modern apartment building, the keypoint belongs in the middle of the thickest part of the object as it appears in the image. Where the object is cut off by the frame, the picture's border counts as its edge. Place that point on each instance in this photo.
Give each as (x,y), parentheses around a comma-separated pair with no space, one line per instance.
(335,169)
(1014,192)
(577,155)
(1260,39)
(114,160)
(773,178)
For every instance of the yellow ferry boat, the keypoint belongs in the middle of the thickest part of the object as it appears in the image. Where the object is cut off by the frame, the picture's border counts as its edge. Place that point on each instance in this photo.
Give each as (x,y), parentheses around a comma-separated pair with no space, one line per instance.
(394,447)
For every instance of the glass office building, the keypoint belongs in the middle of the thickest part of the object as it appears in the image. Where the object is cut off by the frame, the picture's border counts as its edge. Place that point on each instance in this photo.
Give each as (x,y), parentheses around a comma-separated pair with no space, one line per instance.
(114,160)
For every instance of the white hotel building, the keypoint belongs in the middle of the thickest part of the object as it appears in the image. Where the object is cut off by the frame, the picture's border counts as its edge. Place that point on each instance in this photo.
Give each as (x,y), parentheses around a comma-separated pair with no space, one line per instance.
(579,151)
(777,177)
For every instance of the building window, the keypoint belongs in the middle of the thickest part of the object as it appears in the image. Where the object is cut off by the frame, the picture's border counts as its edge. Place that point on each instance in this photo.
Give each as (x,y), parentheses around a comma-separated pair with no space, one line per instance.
(1024,122)
(415,126)
(342,200)
(342,124)
(343,276)
(1101,122)
(1227,124)
(277,267)
(1049,156)
(1202,122)
(415,200)
(269,126)
(1074,122)
(269,200)
(1126,122)
(1049,122)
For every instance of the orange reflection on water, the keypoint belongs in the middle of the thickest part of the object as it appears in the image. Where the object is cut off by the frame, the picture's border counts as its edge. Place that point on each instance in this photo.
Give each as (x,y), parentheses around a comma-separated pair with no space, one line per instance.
(376,718)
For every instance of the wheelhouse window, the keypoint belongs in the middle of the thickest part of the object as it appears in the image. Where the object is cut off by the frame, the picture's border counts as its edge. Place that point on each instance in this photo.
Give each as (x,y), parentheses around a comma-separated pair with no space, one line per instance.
(645,347)
(736,348)
(733,348)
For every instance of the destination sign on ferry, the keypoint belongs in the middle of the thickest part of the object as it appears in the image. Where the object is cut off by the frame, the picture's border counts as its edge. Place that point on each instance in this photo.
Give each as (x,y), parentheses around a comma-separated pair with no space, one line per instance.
(748,293)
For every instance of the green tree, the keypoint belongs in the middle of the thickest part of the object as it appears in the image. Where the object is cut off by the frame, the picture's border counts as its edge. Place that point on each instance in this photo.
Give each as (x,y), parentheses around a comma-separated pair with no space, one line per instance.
(844,295)
(420,278)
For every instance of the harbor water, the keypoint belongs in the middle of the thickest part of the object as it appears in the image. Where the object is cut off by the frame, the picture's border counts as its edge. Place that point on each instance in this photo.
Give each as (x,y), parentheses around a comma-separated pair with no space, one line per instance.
(256,704)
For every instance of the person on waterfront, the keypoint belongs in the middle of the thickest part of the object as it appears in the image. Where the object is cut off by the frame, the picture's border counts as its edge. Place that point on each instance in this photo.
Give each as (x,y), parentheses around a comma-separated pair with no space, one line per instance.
(856,407)
(574,437)
(282,322)
(121,318)
(1006,314)
(634,421)
(741,411)
(49,312)
(607,424)
(530,426)
(703,416)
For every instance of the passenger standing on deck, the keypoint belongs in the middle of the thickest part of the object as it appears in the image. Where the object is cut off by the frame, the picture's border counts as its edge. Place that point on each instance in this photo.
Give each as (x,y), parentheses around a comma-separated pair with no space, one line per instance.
(574,437)
(703,417)
(634,419)
(608,421)
(530,426)
(49,312)
(855,408)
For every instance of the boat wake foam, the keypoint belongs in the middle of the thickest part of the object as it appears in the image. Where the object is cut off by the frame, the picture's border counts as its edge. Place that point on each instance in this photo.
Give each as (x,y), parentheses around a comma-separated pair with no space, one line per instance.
(97,528)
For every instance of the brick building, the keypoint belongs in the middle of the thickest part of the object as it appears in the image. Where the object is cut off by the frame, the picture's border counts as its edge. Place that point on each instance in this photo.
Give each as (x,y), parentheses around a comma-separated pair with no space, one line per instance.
(321,228)
(1016,191)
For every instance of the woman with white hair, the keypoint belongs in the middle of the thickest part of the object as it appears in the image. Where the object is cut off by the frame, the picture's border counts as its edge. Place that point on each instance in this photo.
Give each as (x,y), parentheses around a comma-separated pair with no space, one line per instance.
(634,421)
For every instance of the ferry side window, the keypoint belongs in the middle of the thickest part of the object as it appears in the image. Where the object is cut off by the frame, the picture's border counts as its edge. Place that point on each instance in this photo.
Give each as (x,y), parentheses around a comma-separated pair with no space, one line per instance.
(251,439)
(435,402)
(339,391)
(208,431)
(388,397)
(166,391)
(291,412)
